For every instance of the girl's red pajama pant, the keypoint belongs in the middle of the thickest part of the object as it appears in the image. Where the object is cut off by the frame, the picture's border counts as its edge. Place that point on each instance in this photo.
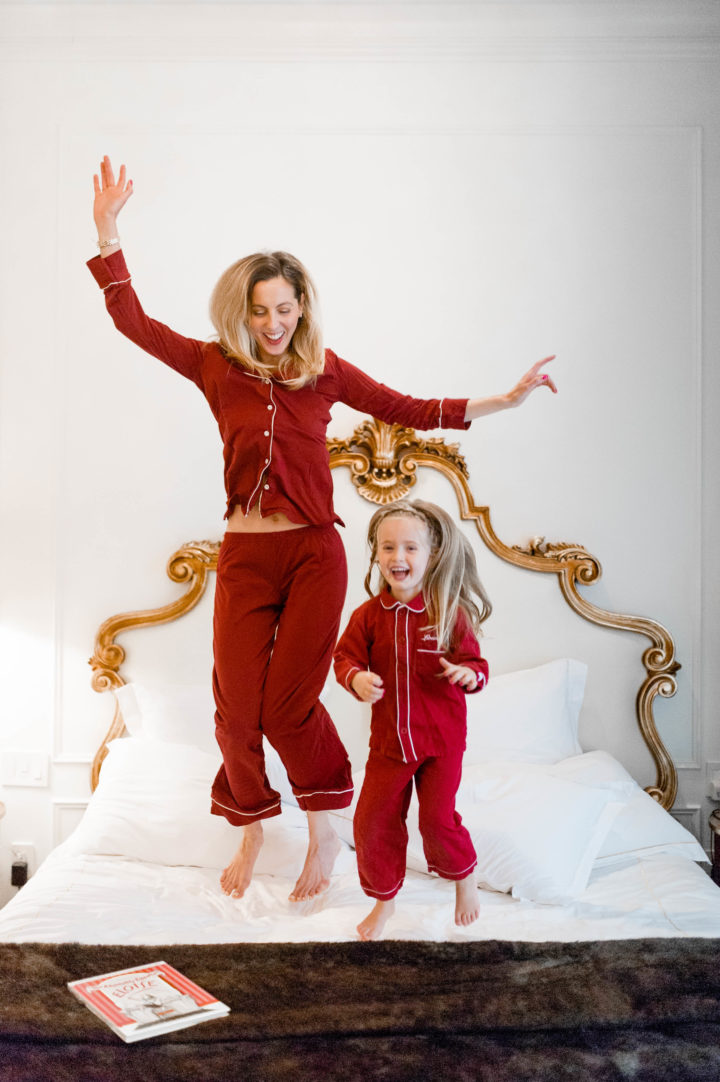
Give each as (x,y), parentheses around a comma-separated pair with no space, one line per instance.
(379,825)
(278,601)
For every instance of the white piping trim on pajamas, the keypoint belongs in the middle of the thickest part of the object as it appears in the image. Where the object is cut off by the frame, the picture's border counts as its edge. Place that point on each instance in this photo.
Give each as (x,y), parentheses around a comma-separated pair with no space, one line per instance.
(122,283)
(265,379)
(407,610)
(441,871)
(397,689)
(267,465)
(350,675)
(393,891)
(246,814)
(407,679)
(324,792)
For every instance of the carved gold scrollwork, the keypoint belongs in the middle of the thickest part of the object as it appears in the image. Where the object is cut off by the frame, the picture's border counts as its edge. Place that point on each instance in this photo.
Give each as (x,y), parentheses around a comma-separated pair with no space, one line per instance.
(586,567)
(403,451)
(191,564)
(383,459)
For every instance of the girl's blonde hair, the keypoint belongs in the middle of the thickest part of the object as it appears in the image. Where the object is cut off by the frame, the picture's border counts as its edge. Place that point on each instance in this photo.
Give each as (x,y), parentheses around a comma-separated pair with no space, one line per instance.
(451,579)
(231,307)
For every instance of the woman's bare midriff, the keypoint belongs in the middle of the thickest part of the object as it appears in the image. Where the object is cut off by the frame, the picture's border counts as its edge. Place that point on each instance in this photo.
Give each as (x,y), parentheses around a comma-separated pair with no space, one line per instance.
(254,522)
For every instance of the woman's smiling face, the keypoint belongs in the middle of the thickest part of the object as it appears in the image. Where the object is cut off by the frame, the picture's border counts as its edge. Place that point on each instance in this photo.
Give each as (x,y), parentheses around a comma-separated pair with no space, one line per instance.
(275,312)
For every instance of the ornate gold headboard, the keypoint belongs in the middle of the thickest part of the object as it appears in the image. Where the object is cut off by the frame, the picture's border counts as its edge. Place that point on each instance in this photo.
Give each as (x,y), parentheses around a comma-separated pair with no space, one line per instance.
(383,461)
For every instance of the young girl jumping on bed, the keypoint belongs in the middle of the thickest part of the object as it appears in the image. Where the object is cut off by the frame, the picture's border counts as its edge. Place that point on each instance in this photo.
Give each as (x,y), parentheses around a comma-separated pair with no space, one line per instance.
(412,652)
(281,574)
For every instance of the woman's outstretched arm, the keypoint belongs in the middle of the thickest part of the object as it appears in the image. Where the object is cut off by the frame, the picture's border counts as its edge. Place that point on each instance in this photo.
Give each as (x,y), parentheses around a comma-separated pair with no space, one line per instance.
(183,354)
(365,394)
(480,407)
(110,197)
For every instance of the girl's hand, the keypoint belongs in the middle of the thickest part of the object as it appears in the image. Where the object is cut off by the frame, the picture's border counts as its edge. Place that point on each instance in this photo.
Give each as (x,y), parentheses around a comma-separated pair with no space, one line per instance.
(533,378)
(110,195)
(459,674)
(368,686)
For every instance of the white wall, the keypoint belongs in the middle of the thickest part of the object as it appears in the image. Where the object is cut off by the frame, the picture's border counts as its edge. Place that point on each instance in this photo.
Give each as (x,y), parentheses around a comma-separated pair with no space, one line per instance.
(473,185)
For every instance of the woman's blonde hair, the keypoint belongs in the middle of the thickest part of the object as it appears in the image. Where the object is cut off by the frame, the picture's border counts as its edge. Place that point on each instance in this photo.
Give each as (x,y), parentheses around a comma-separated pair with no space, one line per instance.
(231,307)
(452,580)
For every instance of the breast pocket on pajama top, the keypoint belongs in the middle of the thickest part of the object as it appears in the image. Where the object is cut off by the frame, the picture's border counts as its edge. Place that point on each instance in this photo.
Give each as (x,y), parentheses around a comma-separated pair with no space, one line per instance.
(427,660)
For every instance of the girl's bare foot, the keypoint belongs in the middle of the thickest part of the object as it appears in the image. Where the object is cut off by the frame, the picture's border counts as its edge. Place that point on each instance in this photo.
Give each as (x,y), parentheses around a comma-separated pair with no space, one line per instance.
(237,876)
(375,921)
(467,906)
(323,848)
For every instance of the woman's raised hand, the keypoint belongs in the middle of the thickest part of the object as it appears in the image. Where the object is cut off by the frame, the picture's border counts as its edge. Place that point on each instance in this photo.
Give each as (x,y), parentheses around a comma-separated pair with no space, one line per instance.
(533,378)
(110,196)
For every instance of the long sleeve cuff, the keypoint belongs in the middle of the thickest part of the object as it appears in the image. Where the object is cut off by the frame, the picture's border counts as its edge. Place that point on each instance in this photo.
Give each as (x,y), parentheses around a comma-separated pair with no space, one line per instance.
(110,271)
(344,673)
(481,678)
(452,413)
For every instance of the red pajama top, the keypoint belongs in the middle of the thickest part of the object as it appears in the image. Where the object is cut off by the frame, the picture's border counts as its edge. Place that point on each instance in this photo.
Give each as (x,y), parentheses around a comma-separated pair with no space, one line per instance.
(273,436)
(421,713)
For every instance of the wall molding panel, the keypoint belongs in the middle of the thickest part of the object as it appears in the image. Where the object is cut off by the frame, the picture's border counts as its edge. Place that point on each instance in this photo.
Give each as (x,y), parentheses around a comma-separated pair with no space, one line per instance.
(66,814)
(689,817)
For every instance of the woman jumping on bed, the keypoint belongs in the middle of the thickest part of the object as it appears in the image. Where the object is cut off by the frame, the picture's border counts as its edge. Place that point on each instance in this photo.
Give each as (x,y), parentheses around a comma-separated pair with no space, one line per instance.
(412,652)
(281,573)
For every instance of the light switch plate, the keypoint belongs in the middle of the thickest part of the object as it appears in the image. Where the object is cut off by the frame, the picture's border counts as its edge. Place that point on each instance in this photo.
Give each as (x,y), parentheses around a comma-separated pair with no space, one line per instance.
(24,768)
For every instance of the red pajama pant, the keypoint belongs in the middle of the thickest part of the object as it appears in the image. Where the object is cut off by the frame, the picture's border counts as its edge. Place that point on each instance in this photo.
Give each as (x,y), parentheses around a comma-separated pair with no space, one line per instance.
(278,600)
(379,825)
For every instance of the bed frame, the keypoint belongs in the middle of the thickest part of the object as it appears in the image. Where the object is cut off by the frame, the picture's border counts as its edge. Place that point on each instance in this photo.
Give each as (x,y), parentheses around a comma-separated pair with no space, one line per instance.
(350,1011)
(383,461)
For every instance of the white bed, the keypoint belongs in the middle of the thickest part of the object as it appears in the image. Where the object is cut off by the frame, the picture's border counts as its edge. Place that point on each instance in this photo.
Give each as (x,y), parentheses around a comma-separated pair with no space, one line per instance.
(143,866)
(570,847)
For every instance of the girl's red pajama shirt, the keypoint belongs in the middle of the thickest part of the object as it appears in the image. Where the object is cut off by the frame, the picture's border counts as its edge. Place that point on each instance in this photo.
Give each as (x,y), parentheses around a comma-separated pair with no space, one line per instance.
(279,596)
(418,730)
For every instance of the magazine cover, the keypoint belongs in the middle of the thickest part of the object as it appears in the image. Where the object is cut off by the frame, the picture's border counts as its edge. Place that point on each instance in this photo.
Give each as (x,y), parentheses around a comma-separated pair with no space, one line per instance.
(147,1000)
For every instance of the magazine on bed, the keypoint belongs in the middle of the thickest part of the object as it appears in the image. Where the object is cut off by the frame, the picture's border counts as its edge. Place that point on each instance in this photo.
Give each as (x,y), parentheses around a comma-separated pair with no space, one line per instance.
(147,1000)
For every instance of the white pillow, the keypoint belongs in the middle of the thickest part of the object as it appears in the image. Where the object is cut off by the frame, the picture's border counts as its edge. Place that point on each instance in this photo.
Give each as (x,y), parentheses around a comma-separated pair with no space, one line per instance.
(129,709)
(535,834)
(152,803)
(529,716)
(185,714)
(178,713)
(643,826)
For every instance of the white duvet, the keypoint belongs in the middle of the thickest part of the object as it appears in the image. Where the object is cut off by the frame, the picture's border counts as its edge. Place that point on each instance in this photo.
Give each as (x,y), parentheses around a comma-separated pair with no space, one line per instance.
(96,899)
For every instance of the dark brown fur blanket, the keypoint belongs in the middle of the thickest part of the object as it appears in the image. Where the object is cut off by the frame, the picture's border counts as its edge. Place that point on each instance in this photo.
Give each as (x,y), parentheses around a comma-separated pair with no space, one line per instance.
(644,1010)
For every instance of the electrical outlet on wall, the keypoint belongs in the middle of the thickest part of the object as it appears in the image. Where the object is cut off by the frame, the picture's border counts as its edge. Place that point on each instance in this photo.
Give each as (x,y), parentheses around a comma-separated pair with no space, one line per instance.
(24,851)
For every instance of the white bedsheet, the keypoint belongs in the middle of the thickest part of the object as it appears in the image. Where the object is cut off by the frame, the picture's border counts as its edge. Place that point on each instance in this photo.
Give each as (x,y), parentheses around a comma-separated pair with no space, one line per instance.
(95,899)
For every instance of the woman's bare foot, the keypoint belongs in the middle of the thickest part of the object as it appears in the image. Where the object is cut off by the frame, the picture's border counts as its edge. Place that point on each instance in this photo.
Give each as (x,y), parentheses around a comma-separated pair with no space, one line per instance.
(323,848)
(236,878)
(375,921)
(467,906)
